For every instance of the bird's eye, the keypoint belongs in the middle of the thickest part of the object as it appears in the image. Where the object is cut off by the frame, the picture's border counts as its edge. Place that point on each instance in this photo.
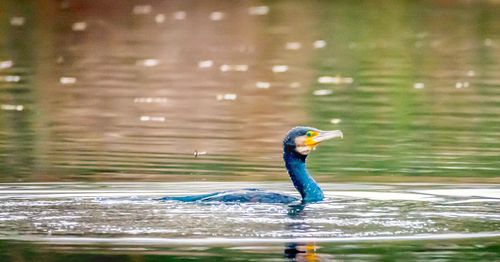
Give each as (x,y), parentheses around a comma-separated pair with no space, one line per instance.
(309,134)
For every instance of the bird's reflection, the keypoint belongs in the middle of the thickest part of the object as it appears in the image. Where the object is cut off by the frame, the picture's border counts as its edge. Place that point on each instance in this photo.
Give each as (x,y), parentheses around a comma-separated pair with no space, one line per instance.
(299,251)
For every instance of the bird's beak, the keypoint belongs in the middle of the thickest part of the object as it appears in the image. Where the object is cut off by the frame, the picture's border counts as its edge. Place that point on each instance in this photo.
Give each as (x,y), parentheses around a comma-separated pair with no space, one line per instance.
(325,135)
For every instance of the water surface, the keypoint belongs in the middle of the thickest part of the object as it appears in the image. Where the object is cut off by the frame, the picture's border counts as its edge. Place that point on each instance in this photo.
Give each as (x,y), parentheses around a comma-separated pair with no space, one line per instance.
(97,91)
(195,92)
(354,218)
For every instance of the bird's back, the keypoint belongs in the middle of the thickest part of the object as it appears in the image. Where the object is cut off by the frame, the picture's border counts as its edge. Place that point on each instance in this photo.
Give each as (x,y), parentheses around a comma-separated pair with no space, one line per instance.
(249,195)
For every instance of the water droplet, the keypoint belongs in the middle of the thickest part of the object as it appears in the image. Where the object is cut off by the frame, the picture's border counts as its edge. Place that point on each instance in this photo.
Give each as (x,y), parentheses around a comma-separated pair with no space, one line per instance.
(418,85)
(150,100)
(335,121)
(280,68)
(334,80)
(205,63)
(237,68)
(17,21)
(322,92)
(66,80)
(6,64)
(459,85)
(293,46)
(263,85)
(79,26)
(152,119)
(148,62)
(258,10)
(11,78)
(319,44)
(217,16)
(179,15)
(8,107)
(226,97)
(142,9)
(160,18)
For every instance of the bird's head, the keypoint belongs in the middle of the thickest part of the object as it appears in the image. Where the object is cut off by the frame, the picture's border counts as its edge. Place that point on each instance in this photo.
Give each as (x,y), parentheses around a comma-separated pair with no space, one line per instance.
(303,139)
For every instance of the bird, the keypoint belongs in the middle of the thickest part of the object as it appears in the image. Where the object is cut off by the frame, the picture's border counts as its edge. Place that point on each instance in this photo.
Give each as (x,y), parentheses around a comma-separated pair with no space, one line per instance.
(297,144)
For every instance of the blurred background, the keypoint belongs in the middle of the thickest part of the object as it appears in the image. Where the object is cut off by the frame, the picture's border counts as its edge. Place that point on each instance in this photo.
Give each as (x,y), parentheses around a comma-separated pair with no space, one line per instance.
(206,90)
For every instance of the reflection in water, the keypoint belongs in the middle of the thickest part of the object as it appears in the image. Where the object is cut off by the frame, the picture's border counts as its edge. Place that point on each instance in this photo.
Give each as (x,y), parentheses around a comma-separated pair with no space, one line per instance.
(91,90)
(300,251)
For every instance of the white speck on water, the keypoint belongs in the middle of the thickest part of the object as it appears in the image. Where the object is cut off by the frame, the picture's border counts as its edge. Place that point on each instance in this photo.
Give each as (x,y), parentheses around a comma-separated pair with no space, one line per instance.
(11,78)
(235,68)
(293,46)
(335,121)
(199,153)
(205,63)
(488,42)
(160,18)
(226,97)
(334,80)
(322,92)
(148,62)
(418,85)
(152,119)
(328,80)
(67,80)
(17,21)
(113,135)
(471,73)
(6,64)
(280,68)
(158,100)
(8,107)
(263,85)
(79,26)
(142,9)
(295,84)
(258,10)
(459,85)
(319,44)
(179,15)
(217,16)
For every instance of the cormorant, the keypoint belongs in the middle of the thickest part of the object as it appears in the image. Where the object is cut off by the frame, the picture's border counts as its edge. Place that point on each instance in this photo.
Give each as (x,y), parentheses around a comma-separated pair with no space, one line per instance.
(297,145)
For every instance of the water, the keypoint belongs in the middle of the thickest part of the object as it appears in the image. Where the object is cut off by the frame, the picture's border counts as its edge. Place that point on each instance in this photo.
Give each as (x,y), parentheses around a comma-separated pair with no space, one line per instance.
(198,92)
(354,219)
(117,95)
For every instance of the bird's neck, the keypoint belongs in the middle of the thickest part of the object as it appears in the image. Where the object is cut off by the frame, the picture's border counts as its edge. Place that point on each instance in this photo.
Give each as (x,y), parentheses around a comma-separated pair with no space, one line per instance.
(303,182)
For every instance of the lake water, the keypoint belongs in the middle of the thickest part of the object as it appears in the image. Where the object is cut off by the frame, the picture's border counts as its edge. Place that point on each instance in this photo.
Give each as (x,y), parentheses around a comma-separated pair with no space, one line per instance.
(356,221)
(105,105)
